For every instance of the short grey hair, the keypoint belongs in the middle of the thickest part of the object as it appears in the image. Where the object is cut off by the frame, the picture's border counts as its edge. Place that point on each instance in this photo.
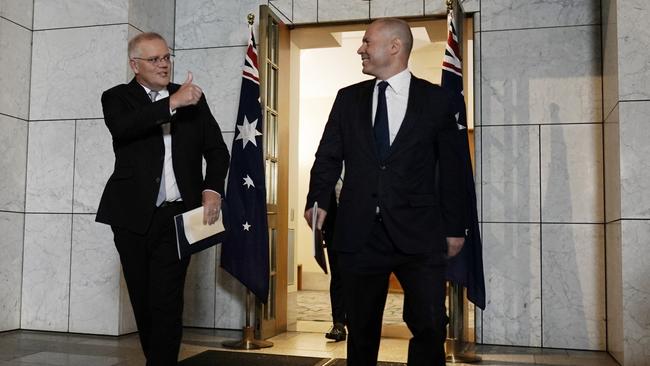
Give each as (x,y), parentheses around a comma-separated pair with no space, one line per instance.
(135,41)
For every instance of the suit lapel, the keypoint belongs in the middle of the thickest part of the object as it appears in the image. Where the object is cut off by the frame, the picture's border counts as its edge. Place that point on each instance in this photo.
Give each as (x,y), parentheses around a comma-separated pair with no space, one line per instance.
(413,110)
(138,93)
(365,115)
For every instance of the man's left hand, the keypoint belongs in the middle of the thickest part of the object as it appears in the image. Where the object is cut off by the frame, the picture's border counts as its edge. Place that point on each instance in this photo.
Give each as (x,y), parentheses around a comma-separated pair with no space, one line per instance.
(454,245)
(211,207)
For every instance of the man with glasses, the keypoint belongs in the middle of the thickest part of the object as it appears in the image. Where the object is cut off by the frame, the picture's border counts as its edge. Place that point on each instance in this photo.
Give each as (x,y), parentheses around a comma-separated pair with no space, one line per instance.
(161,133)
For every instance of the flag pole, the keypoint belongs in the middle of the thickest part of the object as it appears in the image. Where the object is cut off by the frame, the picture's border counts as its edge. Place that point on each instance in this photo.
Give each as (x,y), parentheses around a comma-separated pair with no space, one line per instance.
(248,340)
(456,348)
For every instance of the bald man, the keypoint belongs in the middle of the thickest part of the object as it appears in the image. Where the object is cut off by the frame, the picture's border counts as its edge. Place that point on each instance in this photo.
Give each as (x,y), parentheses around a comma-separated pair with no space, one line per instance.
(401,208)
(161,133)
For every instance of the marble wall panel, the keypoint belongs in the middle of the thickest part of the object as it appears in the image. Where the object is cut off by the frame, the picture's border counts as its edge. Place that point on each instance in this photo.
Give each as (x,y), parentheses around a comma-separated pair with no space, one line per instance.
(305,11)
(633,49)
(541,80)
(517,14)
(435,7)
(15,41)
(59,90)
(153,16)
(95,278)
(13,162)
(11,264)
(74,13)
(612,166)
(46,272)
(283,9)
(636,292)
(513,280)
(19,11)
(338,10)
(218,72)
(614,281)
(510,173)
(572,173)
(50,159)
(200,290)
(610,56)
(93,164)
(390,8)
(213,23)
(230,299)
(573,286)
(471,6)
(635,159)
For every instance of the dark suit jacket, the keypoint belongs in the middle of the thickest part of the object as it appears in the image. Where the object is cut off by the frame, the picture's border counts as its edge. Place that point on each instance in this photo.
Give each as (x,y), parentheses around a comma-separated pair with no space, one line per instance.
(419,187)
(134,122)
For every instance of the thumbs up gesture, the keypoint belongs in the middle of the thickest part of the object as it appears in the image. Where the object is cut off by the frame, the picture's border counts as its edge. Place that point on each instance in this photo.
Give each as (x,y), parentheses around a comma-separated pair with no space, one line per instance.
(188,94)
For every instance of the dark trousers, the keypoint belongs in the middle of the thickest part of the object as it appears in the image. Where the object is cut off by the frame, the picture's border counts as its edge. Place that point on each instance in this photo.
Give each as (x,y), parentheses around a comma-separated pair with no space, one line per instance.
(365,279)
(337,297)
(155,278)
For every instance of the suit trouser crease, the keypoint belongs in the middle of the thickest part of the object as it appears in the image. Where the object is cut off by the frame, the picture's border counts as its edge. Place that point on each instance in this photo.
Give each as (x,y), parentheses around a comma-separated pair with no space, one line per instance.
(155,278)
(366,279)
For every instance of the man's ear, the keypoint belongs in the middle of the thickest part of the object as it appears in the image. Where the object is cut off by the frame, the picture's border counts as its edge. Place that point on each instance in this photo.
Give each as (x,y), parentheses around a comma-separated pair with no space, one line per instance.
(396,46)
(134,66)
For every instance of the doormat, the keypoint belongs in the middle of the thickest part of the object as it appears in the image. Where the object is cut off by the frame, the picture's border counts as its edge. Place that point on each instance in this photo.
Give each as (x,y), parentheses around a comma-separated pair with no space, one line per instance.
(343,362)
(226,358)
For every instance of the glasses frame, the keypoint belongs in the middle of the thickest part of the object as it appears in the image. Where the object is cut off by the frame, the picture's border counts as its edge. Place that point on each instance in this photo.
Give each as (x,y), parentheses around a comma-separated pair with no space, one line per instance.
(156,60)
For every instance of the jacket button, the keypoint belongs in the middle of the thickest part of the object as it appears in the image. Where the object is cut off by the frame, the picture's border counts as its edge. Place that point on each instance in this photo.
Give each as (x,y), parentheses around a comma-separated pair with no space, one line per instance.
(383,167)
(158,180)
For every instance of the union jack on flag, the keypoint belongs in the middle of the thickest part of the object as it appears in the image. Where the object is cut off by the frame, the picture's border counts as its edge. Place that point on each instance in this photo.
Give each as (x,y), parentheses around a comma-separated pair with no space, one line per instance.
(466,268)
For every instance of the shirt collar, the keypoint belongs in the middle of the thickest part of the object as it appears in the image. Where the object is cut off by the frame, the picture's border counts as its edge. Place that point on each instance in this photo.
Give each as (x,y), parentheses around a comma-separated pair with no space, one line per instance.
(163,93)
(399,82)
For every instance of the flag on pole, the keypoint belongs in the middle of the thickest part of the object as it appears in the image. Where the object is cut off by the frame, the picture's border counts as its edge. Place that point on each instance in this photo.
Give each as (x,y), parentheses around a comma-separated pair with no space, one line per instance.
(245,253)
(466,269)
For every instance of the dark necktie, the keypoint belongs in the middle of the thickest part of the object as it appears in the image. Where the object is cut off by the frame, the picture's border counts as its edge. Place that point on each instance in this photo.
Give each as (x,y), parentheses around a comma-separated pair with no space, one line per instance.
(161,190)
(382,138)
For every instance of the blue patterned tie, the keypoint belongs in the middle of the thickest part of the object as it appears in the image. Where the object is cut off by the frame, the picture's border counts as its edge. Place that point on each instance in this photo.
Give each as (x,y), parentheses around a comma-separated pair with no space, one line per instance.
(382,138)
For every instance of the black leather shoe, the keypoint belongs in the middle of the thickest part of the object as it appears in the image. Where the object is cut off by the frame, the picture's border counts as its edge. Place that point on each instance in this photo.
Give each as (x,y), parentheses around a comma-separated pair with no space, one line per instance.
(337,333)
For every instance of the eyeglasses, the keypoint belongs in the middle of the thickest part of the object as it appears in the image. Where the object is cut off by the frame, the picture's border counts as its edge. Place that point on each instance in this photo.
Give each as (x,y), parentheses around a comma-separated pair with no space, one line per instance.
(157,59)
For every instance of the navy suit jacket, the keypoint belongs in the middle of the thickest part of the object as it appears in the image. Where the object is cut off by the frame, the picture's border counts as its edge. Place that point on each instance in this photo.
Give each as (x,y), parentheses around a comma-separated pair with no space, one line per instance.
(135,122)
(419,187)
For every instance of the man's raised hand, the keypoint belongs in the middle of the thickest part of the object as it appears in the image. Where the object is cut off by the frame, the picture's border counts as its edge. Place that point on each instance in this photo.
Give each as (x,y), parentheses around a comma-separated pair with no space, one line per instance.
(187,94)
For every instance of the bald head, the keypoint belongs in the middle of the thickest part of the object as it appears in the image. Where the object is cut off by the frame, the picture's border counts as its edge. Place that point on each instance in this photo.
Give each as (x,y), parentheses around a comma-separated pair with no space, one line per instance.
(397,29)
(386,47)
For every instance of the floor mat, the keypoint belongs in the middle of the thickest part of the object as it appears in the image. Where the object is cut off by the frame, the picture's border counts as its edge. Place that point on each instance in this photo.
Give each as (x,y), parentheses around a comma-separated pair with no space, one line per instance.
(226,358)
(342,362)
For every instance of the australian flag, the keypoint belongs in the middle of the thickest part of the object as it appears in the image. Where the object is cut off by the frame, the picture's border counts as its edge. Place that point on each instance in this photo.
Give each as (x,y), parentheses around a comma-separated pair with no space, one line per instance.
(466,269)
(245,253)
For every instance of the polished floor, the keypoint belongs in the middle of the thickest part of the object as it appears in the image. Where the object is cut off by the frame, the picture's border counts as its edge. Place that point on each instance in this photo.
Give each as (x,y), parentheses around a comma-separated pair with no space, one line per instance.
(29,348)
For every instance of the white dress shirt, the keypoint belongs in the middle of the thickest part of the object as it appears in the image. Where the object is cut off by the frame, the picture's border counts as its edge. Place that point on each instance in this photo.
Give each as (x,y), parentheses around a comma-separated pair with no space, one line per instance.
(397,97)
(171,188)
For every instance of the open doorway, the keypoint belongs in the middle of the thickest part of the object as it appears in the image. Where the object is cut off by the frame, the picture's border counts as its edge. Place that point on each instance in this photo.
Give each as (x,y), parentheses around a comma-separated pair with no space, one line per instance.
(323,60)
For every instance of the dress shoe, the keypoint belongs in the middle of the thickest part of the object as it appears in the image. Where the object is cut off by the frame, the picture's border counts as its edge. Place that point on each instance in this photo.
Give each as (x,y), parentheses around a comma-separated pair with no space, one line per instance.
(337,333)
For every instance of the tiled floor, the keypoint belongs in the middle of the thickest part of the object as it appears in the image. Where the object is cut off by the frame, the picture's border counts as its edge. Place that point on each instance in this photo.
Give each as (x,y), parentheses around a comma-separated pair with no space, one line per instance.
(315,306)
(27,348)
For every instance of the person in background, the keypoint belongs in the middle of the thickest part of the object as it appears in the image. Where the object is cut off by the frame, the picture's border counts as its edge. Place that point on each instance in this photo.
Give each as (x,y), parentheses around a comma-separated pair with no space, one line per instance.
(337,332)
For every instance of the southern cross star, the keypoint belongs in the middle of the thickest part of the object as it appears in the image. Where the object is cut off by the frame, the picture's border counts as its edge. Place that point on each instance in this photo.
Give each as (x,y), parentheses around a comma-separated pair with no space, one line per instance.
(248,182)
(247,132)
(246,226)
